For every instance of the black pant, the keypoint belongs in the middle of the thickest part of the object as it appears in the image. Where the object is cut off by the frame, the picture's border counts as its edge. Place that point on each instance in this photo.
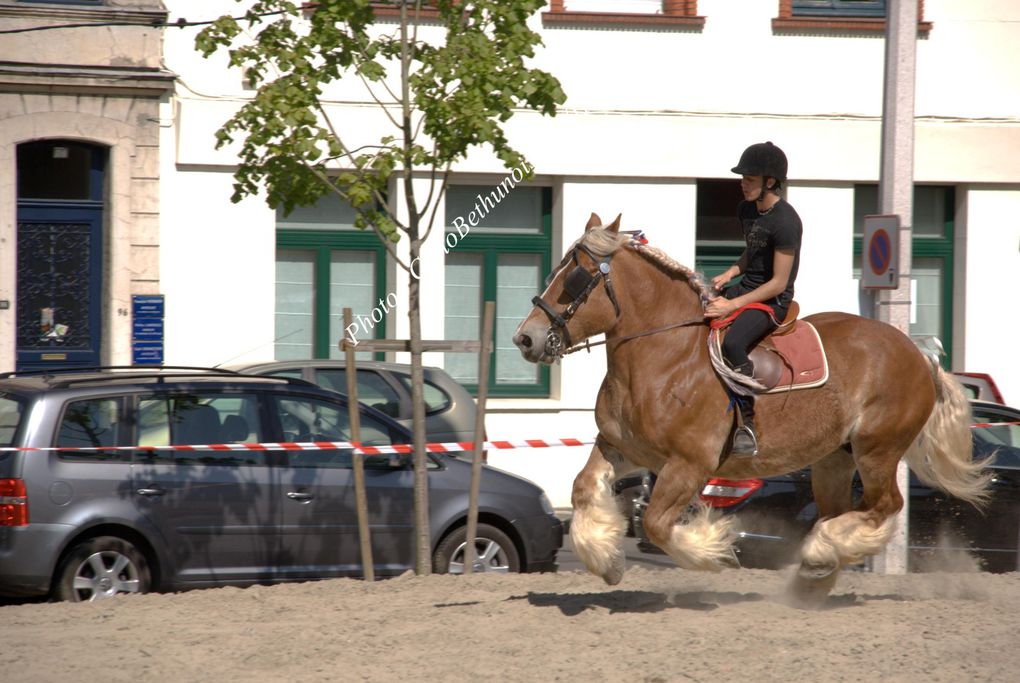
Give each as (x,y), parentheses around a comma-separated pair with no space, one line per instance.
(748,329)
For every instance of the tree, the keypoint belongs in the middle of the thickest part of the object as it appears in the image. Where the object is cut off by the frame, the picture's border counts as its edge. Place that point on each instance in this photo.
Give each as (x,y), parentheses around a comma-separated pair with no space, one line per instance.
(441,97)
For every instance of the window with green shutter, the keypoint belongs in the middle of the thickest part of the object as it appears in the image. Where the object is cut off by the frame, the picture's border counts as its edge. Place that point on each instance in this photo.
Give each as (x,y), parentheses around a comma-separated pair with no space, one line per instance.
(503,257)
(931,271)
(324,264)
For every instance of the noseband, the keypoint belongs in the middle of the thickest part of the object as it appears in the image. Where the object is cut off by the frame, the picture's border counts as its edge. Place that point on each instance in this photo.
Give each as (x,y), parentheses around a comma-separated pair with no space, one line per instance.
(579,284)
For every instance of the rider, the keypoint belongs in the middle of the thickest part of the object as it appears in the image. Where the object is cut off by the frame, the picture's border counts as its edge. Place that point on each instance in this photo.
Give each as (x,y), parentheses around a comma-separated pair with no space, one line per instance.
(772,234)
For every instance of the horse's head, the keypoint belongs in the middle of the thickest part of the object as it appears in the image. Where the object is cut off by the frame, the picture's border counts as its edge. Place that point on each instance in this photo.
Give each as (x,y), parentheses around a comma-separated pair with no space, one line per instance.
(579,302)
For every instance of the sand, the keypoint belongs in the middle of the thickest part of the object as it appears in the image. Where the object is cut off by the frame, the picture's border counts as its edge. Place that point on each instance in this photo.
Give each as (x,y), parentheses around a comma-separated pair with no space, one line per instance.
(657,625)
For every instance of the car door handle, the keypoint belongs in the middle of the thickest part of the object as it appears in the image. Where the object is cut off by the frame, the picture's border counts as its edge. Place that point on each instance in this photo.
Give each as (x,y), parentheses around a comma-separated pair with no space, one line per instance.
(300,496)
(151,491)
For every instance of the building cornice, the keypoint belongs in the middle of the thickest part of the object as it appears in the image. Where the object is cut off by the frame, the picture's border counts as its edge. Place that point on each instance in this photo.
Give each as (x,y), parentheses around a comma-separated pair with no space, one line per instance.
(70,79)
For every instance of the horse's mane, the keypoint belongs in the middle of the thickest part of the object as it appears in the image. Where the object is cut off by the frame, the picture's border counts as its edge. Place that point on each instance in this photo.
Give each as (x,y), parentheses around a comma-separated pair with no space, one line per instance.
(604,242)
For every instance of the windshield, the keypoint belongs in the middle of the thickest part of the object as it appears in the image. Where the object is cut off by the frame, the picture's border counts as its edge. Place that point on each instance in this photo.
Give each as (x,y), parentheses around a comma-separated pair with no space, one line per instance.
(11,409)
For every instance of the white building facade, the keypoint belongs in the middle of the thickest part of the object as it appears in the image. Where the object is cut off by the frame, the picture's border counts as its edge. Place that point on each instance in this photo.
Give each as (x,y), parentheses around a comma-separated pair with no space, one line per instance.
(662,98)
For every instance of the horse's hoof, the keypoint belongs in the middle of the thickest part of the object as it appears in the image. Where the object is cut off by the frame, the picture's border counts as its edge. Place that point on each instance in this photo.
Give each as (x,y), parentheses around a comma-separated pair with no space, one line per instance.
(816,572)
(810,592)
(613,576)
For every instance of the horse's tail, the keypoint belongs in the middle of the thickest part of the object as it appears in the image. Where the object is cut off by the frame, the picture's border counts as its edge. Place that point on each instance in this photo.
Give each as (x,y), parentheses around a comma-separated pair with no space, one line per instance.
(942,455)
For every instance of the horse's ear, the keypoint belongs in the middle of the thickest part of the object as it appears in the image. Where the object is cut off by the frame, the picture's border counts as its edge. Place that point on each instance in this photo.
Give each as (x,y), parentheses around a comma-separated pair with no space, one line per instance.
(615,225)
(593,222)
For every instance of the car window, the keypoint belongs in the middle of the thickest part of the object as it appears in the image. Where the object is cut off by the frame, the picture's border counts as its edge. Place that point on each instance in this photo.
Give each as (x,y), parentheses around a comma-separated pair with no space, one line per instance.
(997,429)
(997,434)
(436,400)
(308,419)
(373,390)
(10,417)
(91,424)
(972,391)
(200,419)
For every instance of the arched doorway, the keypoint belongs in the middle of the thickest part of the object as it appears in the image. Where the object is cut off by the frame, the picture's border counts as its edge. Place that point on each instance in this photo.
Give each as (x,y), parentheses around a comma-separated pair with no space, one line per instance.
(60,254)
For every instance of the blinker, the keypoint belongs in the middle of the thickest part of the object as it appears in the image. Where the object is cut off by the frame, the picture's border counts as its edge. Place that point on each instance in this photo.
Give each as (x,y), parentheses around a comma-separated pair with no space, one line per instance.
(576,282)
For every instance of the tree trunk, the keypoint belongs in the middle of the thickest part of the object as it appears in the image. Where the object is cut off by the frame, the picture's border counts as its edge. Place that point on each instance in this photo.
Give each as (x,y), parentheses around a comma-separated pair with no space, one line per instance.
(423,547)
(423,566)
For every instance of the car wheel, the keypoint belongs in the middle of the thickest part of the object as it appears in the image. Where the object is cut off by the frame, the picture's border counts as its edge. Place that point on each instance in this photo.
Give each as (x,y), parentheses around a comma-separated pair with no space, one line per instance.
(494,552)
(102,568)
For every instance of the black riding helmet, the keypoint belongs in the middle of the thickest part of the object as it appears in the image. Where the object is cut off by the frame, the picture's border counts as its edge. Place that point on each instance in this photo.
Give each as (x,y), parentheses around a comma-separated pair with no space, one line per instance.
(764,159)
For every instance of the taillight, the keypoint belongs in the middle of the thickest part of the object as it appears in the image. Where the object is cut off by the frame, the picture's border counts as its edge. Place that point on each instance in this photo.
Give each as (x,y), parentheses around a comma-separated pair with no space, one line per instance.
(13,503)
(724,493)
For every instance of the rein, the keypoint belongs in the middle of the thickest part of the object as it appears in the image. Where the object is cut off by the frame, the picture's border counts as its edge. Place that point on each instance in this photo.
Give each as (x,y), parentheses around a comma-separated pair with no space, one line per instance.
(588,344)
(579,284)
(716,324)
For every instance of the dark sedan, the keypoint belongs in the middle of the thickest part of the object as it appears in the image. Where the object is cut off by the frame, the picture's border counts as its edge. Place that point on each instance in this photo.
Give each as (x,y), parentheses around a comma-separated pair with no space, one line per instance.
(776,513)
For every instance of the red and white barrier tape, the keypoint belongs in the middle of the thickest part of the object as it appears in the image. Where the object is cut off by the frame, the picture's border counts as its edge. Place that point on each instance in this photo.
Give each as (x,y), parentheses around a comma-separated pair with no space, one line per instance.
(447,447)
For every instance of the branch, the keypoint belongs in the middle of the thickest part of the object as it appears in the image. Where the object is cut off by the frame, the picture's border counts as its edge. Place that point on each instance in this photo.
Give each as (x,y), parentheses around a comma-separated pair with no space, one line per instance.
(387,244)
(378,101)
(380,199)
(432,185)
(421,122)
(442,193)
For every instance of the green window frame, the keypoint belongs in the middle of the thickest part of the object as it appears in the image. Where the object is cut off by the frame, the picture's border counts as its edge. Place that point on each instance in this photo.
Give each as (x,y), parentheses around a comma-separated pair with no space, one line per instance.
(323,244)
(930,241)
(490,245)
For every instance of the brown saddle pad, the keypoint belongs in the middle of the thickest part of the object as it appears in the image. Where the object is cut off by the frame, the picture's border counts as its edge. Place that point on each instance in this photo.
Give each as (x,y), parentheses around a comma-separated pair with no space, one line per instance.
(794,360)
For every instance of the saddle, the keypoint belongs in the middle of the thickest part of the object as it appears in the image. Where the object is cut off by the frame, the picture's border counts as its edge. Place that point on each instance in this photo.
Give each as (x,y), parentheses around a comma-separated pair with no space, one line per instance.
(792,357)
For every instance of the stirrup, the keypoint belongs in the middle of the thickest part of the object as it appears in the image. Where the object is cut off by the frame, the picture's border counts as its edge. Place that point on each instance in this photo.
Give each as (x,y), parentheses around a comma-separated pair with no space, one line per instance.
(746,446)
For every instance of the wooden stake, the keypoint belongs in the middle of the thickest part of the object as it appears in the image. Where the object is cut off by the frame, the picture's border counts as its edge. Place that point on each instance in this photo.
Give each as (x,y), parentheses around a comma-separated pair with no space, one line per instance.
(360,500)
(470,555)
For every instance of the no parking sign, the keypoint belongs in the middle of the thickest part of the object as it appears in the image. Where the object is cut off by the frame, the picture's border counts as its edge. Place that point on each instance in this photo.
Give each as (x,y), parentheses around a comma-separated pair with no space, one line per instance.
(880,262)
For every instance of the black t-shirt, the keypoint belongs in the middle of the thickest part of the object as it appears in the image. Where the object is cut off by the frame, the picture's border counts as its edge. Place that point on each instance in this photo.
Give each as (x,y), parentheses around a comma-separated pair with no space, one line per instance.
(780,228)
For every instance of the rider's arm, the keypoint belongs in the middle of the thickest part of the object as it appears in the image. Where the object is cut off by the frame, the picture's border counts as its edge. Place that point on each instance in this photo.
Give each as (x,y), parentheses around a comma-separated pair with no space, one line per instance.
(782,265)
(719,281)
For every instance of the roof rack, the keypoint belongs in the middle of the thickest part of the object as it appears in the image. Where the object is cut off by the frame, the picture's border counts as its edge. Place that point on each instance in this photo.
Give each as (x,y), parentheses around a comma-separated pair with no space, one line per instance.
(153,372)
(152,369)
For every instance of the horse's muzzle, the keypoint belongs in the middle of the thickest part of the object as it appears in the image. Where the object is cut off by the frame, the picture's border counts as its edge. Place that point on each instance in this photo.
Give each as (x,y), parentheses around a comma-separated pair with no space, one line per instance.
(538,347)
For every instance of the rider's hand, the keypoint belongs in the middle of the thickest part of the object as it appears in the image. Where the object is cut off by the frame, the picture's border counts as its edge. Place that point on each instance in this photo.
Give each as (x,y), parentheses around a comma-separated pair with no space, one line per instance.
(719,281)
(719,307)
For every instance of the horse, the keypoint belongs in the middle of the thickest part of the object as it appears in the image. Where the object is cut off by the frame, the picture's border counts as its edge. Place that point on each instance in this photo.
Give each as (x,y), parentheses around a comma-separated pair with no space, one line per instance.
(663,407)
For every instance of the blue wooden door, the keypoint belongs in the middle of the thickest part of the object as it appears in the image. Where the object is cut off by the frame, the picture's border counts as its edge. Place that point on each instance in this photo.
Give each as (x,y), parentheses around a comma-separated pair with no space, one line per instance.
(60,255)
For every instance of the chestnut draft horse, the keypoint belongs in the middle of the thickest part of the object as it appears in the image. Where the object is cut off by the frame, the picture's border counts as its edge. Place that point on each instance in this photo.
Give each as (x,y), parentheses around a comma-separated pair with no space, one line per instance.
(663,407)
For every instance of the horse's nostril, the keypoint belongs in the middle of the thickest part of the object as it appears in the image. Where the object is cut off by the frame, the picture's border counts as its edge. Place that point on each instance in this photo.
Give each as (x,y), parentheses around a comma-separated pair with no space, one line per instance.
(524,340)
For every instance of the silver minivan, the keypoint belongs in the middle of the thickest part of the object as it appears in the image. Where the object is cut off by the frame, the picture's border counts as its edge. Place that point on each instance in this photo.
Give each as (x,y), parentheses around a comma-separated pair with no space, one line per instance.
(138,480)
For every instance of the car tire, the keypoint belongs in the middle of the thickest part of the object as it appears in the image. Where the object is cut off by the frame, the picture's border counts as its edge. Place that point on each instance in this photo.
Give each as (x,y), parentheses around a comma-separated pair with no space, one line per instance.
(495,552)
(101,568)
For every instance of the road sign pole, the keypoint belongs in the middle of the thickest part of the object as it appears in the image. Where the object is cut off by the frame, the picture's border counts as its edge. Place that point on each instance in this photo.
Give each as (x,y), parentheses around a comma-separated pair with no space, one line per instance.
(895,197)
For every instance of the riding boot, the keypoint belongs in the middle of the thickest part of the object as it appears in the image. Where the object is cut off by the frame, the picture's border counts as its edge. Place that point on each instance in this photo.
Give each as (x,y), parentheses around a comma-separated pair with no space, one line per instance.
(745,441)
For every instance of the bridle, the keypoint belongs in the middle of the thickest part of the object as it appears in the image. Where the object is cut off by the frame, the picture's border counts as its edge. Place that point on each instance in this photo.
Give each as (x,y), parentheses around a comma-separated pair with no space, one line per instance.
(579,284)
